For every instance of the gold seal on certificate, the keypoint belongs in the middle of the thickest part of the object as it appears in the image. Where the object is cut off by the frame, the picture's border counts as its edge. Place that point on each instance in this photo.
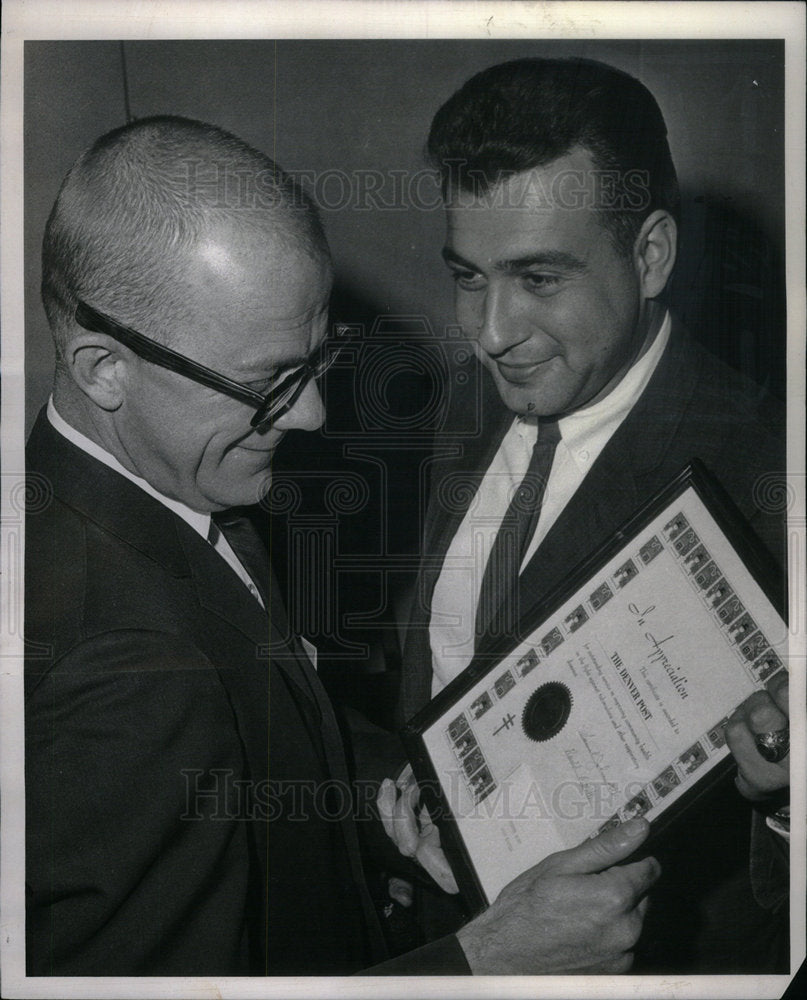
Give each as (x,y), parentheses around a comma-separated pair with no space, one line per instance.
(611,701)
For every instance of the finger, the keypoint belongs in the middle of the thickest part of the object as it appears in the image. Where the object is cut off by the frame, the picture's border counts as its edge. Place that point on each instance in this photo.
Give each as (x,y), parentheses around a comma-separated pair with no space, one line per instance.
(406,777)
(430,855)
(410,797)
(762,713)
(397,818)
(779,690)
(622,933)
(741,740)
(435,864)
(750,790)
(756,777)
(642,905)
(401,891)
(385,803)
(631,883)
(601,852)
(757,786)
(406,828)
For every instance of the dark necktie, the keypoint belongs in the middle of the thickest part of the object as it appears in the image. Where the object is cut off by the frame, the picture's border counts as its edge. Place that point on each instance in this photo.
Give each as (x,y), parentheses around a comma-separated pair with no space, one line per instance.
(246,543)
(500,581)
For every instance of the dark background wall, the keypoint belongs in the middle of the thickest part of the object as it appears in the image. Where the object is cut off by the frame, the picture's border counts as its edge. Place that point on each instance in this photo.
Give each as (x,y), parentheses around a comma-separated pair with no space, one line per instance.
(352,116)
(342,109)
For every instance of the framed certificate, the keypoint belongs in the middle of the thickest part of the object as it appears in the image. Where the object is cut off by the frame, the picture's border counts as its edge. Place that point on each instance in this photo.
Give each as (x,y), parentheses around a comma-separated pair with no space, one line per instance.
(611,699)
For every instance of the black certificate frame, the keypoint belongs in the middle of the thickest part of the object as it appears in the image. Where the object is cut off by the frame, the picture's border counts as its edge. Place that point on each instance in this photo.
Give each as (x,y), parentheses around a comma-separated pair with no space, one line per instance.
(757,560)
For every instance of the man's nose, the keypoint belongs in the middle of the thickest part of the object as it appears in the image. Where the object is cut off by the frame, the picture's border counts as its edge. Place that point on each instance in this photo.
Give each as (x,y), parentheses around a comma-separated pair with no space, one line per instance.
(499,324)
(308,412)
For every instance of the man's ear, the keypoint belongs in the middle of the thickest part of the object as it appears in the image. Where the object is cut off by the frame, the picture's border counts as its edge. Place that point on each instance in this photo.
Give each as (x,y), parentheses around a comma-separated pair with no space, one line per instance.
(97,366)
(654,252)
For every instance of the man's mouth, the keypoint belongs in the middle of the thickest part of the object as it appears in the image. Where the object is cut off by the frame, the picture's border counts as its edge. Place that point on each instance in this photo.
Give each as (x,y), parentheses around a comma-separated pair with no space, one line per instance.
(261,447)
(519,374)
(264,452)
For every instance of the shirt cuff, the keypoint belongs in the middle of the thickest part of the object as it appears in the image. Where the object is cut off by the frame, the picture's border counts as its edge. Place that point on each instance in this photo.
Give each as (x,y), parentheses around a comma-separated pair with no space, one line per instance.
(779,822)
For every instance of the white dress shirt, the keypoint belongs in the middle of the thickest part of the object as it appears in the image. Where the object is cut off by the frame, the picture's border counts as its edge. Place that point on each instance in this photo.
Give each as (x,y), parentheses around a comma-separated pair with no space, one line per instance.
(584,434)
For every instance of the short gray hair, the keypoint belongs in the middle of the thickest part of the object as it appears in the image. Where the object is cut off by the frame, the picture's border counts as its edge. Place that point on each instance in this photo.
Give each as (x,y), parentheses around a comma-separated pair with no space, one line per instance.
(139,198)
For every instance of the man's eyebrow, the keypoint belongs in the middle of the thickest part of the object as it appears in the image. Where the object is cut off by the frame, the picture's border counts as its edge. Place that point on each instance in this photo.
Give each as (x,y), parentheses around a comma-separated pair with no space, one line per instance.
(547,258)
(452,257)
(544,258)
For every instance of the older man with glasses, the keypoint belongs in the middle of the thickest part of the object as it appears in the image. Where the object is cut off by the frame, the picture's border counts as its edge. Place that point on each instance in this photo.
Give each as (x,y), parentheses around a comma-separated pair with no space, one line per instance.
(188,796)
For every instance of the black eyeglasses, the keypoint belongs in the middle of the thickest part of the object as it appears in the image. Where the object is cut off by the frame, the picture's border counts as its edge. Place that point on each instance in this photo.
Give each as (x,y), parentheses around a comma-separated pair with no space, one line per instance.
(286,388)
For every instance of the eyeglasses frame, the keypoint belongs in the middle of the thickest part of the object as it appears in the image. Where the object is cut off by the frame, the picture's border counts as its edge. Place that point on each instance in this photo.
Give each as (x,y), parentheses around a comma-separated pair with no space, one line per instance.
(299,376)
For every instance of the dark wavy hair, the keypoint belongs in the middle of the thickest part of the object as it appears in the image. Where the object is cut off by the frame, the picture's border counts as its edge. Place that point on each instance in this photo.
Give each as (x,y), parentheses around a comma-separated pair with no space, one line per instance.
(526,113)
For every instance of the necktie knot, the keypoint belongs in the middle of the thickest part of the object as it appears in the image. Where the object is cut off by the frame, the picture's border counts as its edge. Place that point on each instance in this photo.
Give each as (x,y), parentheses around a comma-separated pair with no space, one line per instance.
(548,434)
(237,527)
(230,516)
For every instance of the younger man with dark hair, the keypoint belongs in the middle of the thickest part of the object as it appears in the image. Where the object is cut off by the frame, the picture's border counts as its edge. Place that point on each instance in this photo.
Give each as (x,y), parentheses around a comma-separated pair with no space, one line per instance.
(562,218)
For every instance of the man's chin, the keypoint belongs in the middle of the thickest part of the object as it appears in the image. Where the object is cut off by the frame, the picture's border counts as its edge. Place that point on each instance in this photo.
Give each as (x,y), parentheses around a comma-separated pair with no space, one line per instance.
(528,401)
(246,493)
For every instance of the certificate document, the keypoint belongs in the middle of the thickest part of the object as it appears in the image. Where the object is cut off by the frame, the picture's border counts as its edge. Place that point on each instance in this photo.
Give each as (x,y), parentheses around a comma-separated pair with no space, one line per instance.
(610,706)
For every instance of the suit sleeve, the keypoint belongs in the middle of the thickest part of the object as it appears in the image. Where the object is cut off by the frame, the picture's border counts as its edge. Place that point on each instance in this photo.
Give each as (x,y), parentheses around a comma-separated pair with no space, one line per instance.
(770,866)
(135,854)
(444,957)
(375,754)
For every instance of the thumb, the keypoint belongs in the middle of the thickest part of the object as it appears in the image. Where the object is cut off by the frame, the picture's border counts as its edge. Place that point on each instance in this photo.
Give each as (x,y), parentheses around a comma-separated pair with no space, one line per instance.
(602,851)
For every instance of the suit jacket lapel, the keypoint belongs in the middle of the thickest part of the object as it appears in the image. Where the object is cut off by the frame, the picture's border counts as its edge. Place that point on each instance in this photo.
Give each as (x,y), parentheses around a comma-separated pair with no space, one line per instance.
(104,497)
(328,743)
(220,591)
(123,509)
(607,496)
(119,506)
(278,649)
(455,479)
(624,473)
(623,476)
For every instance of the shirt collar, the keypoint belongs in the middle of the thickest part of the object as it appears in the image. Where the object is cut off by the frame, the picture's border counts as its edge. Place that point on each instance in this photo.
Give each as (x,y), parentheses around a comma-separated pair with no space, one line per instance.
(623,396)
(198,521)
(602,417)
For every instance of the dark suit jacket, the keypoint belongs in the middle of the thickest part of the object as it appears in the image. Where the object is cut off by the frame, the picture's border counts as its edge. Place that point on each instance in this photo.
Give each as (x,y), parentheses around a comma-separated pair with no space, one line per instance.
(694,406)
(187,797)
